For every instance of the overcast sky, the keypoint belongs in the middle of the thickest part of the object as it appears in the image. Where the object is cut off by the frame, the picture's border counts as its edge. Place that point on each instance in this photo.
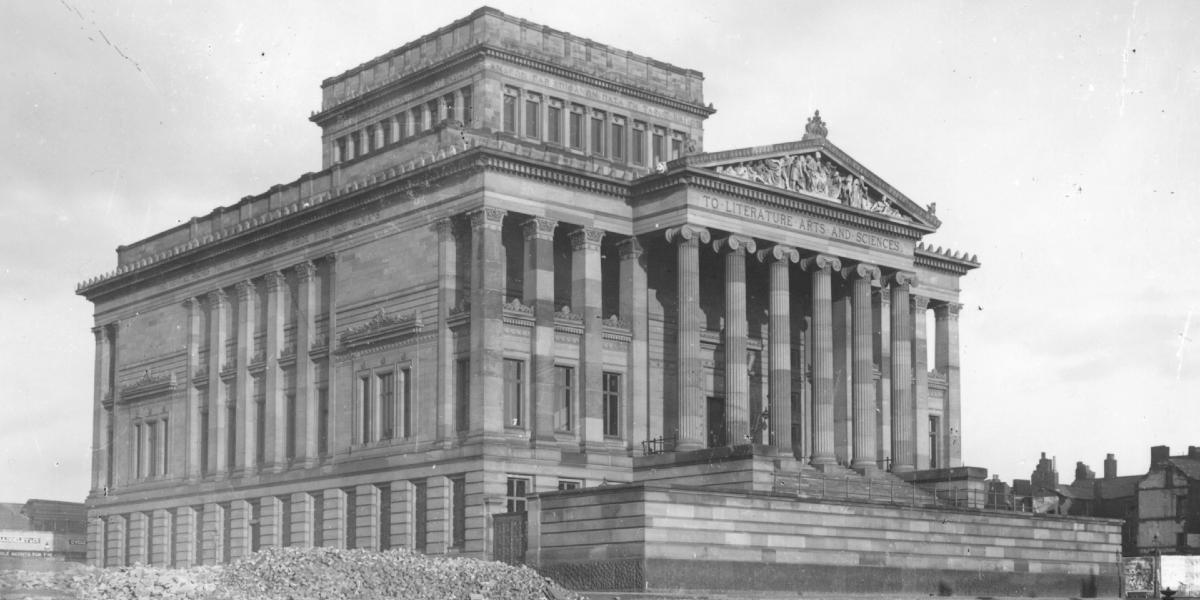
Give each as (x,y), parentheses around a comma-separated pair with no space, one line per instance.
(1060,141)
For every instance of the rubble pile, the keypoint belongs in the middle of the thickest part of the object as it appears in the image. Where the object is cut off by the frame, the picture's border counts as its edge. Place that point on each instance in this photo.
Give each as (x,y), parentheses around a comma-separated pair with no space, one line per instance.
(298,574)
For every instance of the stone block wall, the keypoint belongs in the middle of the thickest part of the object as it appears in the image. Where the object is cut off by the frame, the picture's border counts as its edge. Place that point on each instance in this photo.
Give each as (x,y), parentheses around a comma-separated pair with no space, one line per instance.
(638,537)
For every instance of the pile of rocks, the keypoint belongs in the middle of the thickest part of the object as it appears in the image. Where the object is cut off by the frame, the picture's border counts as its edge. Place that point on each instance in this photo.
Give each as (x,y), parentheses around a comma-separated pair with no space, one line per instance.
(296,574)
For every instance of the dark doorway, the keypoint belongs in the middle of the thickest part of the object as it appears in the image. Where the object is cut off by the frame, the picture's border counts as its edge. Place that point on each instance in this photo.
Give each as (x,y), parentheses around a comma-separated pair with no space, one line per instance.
(508,540)
(716,422)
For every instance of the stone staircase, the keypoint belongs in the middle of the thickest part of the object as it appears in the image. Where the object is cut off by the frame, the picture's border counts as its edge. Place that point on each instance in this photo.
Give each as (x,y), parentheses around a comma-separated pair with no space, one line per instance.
(840,483)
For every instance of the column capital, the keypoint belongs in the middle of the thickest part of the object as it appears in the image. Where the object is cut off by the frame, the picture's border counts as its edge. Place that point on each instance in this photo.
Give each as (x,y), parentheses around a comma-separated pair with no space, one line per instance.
(305,270)
(330,257)
(861,271)
(885,294)
(918,302)
(820,262)
(947,309)
(739,244)
(688,233)
(101,332)
(630,248)
(191,303)
(217,298)
(487,217)
(779,252)
(539,228)
(245,289)
(274,281)
(586,237)
(900,278)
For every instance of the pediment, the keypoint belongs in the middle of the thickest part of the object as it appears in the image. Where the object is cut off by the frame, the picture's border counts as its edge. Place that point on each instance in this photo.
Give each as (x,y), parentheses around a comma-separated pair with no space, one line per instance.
(814,168)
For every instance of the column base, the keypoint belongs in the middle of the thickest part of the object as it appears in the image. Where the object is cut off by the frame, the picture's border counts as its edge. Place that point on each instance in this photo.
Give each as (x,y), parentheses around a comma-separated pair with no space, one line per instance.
(866,469)
(824,465)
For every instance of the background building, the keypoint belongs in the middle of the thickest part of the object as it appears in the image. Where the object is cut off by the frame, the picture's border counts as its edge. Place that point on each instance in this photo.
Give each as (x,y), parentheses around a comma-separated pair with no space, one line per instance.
(42,533)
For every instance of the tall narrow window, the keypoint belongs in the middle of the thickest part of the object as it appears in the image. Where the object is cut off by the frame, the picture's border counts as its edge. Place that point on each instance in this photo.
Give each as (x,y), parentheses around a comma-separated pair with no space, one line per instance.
(387,403)
(364,410)
(517,490)
(420,515)
(612,404)
(468,107)
(352,146)
(618,138)
(435,112)
(575,127)
(291,416)
(638,143)
(385,133)
(350,517)
(533,115)
(385,516)
(677,138)
(448,102)
(462,404)
(339,150)
(458,512)
(138,461)
(510,110)
(323,421)
(108,445)
(165,450)
(658,147)
(935,450)
(405,403)
(153,434)
(318,534)
(402,121)
(597,133)
(285,520)
(204,466)
(260,430)
(554,112)
(514,392)
(368,140)
(231,431)
(564,381)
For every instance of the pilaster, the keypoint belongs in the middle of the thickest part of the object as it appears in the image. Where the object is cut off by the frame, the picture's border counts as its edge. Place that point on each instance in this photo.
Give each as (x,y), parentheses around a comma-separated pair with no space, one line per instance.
(644,416)
(585,299)
(487,326)
(218,416)
(447,292)
(689,388)
(275,438)
(101,412)
(737,379)
(247,427)
(780,259)
(539,292)
(821,267)
(270,521)
(306,392)
(946,361)
(193,433)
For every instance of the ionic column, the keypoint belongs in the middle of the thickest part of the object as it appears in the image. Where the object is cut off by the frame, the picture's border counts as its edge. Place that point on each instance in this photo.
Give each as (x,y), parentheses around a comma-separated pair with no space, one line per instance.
(194,401)
(737,379)
(689,387)
(247,428)
(447,291)
(487,325)
(881,313)
(920,379)
(862,378)
(102,411)
(903,450)
(585,299)
(275,438)
(946,361)
(643,422)
(780,259)
(821,267)
(306,393)
(539,291)
(218,416)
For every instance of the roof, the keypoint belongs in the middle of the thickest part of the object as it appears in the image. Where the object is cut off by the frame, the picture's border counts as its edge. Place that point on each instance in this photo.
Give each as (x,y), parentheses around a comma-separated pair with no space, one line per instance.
(1189,466)
(1119,487)
(11,517)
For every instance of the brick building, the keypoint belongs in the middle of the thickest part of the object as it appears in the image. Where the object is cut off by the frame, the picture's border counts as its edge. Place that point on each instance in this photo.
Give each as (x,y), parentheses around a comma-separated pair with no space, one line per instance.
(518,272)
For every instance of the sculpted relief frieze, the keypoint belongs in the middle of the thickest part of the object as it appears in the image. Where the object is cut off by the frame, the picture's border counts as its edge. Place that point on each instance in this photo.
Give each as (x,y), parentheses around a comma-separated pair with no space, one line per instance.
(815,175)
(800,223)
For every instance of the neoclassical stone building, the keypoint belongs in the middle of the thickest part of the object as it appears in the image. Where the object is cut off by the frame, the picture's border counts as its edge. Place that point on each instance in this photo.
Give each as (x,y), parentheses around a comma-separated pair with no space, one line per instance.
(517,272)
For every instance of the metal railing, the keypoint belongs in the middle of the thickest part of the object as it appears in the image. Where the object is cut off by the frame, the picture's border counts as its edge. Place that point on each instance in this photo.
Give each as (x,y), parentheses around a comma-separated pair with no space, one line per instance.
(659,445)
(894,491)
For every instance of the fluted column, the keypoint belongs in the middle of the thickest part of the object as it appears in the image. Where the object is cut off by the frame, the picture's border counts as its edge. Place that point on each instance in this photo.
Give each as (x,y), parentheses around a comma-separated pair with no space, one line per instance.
(821,267)
(275,438)
(920,380)
(903,449)
(881,312)
(737,379)
(194,400)
(306,392)
(862,378)
(585,299)
(102,415)
(946,361)
(780,259)
(218,414)
(447,293)
(539,291)
(689,388)
(643,421)
(487,325)
(247,427)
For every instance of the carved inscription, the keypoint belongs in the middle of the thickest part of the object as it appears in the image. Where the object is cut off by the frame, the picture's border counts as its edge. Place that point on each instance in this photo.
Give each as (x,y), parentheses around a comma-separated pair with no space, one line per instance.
(803,224)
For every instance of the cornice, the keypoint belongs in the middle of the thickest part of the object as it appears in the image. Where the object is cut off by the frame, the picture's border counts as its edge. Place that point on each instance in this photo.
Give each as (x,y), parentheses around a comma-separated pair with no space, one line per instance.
(946,260)
(148,385)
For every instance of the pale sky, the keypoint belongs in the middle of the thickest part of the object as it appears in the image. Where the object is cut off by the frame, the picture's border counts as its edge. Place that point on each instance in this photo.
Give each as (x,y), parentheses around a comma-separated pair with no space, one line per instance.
(1060,141)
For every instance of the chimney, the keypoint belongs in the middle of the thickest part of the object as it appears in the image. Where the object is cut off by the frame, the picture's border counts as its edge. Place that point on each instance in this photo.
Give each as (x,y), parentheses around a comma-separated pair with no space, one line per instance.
(1194,452)
(1083,472)
(1110,467)
(1159,455)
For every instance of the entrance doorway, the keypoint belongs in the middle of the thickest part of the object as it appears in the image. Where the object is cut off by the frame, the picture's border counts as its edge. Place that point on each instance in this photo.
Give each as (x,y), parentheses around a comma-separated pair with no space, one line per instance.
(716,422)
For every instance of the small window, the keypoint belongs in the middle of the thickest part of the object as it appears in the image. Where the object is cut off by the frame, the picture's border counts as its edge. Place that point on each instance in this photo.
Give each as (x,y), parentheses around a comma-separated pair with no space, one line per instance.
(564,381)
(612,404)
(658,147)
(618,138)
(514,392)
(554,112)
(387,403)
(569,484)
(597,133)
(510,110)
(260,430)
(677,138)
(462,405)
(448,103)
(638,154)
(533,116)
(402,125)
(323,421)
(204,464)
(292,416)
(935,430)
(518,489)
(575,127)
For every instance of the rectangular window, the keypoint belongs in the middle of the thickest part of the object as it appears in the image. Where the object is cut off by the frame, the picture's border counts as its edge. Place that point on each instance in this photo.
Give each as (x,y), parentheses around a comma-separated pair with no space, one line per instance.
(518,489)
(612,404)
(468,108)
(677,144)
(138,465)
(385,516)
(935,430)
(351,146)
(658,149)
(569,484)
(435,115)
(108,446)
(458,511)
(285,521)
(166,447)
(402,125)
(618,138)
(153,433)
(260,431)
(564,381)
(387,403)
(533,116)
(514,392)
(554,113)
(318,502)
(292,416)
(385,133)
(638,155)
(448,102)
(575,127)
(367,140)
(598,133)
(420,516)
(204,466)
(510,110)
(339,150)
(364,410)
(323,421)
(350,517)
(462,404)
(231,433)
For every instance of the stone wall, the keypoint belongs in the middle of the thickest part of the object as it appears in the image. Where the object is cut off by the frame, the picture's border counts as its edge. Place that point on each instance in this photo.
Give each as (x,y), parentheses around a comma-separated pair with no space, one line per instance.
(637,537)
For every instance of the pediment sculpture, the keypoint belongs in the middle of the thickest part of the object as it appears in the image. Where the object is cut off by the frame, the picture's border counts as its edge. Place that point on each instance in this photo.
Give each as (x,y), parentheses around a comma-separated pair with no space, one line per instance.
(813,174)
